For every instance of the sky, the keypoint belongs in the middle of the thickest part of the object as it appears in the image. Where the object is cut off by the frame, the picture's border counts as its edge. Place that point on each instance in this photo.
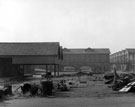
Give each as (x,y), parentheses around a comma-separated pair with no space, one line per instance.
(73,23)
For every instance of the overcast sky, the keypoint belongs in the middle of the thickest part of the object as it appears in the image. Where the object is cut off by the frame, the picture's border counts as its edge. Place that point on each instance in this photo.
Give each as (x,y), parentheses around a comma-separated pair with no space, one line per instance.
(73,23)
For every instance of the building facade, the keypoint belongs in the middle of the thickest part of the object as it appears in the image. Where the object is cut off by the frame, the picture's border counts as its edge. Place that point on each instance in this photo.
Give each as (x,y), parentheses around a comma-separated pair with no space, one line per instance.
(85,60)
(124,60)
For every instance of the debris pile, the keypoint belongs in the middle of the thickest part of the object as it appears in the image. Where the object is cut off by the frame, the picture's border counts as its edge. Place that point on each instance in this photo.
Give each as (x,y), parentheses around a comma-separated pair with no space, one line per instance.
(124,82)
(5,90)
(41,87)
(63,86)
(31,89)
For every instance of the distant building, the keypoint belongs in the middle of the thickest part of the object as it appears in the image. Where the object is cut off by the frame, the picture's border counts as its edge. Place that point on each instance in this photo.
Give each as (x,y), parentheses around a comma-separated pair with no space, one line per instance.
(20,58)
(85,60)
(124,59)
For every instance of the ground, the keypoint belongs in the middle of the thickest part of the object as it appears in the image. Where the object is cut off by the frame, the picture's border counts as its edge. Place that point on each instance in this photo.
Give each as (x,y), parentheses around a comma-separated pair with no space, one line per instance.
(95,94)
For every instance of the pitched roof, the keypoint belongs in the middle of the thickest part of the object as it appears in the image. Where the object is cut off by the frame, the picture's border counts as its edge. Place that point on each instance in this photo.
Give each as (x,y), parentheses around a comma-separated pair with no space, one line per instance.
(86,51)
(29,48)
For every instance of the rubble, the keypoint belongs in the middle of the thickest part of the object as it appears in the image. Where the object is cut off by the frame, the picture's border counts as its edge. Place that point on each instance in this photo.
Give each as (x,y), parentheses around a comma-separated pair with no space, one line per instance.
(123,82)
(130,87)
(41,87)
(63,86)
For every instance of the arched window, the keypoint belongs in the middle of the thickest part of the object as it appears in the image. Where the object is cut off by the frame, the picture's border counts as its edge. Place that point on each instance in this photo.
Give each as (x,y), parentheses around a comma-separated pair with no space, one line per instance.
(69,68)
(85,69)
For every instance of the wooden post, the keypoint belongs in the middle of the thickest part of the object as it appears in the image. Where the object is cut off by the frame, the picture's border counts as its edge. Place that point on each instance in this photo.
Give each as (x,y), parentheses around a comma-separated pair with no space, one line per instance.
(58,68)
(21,70)
(46,69)
(55,70)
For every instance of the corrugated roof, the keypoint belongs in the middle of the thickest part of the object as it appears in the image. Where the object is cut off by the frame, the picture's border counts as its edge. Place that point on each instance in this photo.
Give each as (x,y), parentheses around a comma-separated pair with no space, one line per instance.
(86,51)
(33,48)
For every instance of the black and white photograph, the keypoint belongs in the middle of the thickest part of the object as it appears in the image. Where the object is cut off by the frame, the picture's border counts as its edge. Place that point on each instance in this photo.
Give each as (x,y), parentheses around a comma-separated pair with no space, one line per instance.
(67,53)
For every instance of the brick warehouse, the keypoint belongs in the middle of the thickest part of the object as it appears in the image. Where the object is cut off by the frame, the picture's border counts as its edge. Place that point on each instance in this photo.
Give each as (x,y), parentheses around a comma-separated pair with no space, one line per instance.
(26,58)
(88,60)
(21,58)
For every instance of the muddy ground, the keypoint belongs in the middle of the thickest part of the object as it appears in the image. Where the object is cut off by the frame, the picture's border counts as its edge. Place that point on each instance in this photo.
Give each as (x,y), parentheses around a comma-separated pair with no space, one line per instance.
(94,94)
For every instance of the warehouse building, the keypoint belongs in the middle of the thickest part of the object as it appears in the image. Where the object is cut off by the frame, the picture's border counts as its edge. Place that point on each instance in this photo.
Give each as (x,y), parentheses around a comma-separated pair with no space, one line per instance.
(26,58)
(85,60)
